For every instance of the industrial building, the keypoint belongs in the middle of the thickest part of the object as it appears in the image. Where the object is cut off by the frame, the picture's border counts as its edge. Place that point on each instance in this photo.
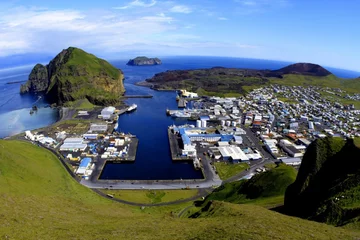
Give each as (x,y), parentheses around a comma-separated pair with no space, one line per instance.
(233,154)
(84,165)
(107,113)
(291,161)
(99,128)
(73,144)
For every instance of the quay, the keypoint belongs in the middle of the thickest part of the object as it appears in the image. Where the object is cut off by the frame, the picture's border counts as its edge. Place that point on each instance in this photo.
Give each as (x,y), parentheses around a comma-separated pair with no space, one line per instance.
(175,148)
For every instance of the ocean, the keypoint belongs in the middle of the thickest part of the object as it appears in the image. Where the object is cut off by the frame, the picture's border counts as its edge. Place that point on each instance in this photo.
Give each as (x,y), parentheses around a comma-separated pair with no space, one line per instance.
(149,122)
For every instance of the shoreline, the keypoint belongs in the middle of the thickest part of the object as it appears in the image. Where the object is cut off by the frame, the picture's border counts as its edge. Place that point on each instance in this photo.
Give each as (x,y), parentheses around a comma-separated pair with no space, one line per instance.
(151,86)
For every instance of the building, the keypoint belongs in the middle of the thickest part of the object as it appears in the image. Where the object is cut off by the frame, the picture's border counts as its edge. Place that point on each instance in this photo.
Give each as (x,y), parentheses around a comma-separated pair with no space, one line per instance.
(98,128)
(107,112)
(289,147)
(291,161)
(29,135)
(233,154)
(84,165)
(73,144)
(270,145)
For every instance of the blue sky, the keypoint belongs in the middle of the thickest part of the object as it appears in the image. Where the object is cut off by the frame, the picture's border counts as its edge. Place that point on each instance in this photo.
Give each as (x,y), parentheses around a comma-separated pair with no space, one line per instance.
(318,31)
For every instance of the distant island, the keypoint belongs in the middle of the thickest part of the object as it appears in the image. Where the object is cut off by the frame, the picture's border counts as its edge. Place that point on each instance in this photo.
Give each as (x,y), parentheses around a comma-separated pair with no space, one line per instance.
(222,80)
(144,61)
(75,75)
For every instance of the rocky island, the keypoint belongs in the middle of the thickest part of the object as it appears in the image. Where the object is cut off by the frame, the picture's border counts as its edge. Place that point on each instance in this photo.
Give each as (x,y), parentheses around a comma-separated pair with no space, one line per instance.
(75,75)
(144,61)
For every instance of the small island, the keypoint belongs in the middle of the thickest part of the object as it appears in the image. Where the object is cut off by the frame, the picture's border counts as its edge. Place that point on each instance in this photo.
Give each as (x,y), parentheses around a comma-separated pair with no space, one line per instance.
(144,61)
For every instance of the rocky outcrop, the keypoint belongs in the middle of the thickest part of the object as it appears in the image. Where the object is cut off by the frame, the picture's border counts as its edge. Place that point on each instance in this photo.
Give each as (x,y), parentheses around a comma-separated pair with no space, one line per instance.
(38,80)
(74,74)
(144,61)
(327,186)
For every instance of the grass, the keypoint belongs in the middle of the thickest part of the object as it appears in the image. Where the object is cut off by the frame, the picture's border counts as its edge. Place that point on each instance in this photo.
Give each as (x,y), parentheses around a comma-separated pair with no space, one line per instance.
(357,142)
(81,104)
(151,196)
(226,170)
(39,200)
(264,189)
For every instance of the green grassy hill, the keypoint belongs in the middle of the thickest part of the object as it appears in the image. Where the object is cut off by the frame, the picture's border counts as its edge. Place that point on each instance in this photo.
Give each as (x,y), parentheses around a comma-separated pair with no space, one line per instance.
(266,189)
(327,188)
(76,75)
(39,200)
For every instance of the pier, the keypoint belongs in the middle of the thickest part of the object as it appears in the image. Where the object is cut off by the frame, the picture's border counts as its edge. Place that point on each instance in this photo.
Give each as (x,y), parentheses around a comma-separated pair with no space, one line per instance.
(175,148)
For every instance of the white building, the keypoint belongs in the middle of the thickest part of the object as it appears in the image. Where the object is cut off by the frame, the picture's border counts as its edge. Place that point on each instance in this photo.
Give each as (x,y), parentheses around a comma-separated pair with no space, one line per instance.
(107,112)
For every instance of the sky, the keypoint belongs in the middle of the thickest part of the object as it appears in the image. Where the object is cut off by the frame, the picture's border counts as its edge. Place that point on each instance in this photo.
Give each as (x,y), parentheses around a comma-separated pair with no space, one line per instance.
(325,32)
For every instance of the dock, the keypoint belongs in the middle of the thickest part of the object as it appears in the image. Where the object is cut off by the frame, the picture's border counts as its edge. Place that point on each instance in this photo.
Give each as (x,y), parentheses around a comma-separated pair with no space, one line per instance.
(182,103)
(175,148)
(131,156)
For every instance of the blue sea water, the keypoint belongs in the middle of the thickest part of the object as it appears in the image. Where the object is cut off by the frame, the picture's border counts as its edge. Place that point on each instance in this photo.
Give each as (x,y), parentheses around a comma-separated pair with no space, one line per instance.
(149,122)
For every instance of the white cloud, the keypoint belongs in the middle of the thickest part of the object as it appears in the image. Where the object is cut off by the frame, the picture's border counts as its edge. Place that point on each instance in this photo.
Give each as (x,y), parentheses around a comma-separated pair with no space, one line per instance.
(180,9)
(222,18)
(26,30)
(137,3)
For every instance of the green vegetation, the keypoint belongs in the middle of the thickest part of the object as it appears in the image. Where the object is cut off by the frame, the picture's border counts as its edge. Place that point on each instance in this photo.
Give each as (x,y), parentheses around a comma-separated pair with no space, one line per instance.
(227,170)
(39,200)
(81,104)
(327,186)
(267,189)
(357,142)
(151,196)
(76,75)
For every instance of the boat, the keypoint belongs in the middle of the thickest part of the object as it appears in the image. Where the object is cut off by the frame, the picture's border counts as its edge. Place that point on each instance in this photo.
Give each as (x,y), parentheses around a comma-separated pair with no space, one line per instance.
(196,163)
(181,114)
(132,108)
(177,98)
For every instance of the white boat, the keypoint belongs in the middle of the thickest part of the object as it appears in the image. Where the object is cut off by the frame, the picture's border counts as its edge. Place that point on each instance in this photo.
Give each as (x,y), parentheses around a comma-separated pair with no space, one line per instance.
(132,108)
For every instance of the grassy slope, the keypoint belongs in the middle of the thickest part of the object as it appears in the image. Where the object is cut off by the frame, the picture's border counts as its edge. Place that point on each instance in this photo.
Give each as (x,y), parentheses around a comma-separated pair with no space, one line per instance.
(151,196)
(265,189)
(88,76)
(226,170)
(39,200)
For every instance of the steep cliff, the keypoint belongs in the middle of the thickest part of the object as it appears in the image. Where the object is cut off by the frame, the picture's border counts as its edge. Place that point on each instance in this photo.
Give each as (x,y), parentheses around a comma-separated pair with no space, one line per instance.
(38,80)
(74,74)
(140,61)
(327,187)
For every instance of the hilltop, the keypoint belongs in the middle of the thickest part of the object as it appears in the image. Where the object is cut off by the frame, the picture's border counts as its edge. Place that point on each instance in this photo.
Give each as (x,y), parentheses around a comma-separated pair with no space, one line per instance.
(304,69)
(142,61)
(327,187)
(40,200)
(74,75)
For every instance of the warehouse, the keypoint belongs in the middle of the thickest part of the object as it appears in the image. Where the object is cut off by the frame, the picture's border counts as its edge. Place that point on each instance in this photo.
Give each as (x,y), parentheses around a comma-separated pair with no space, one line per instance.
(98,128)
(234,154)
(291,161)
(107,112)
(73,144)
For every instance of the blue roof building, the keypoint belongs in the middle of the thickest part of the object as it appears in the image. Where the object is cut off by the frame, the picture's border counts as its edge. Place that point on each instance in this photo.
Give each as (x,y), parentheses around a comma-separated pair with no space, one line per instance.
(85,162)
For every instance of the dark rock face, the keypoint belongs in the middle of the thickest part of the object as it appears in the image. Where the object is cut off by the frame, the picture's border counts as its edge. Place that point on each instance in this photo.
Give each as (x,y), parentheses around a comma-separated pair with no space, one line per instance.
(142,61)
(327,181)
(38,80)
(304,69)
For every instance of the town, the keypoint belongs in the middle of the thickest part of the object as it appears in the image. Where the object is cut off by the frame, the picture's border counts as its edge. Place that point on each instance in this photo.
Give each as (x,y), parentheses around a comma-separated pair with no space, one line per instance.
(273,124)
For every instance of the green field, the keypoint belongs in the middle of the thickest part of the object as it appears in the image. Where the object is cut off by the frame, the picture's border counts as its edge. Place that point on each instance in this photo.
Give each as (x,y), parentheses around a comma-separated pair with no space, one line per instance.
(151,196)
(39,200)
(226,170)
(265,189)
(82,104)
